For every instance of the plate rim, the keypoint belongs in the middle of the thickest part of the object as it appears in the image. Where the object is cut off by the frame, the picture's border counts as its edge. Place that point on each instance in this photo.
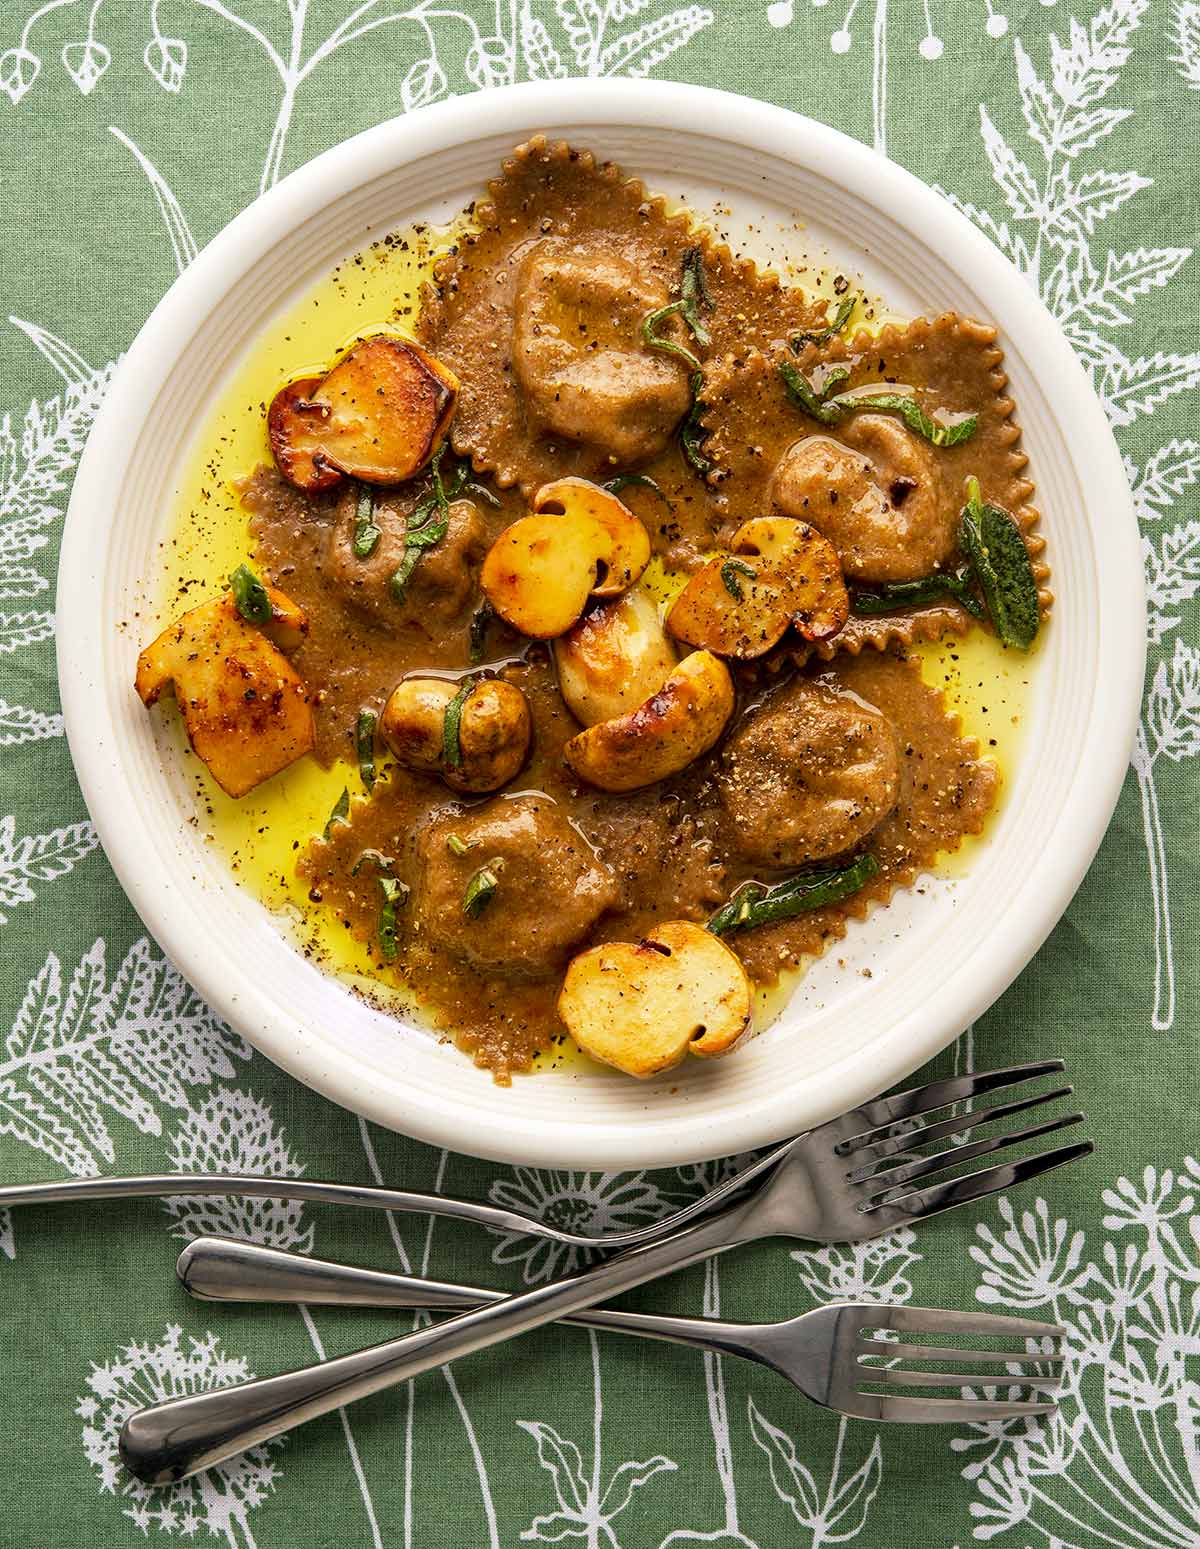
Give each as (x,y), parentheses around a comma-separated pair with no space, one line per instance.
(596,104)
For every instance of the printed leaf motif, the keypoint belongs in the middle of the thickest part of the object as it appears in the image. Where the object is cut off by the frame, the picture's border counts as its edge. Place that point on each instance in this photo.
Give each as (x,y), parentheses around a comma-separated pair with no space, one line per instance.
(1172,576)
(564,1463)
(234,1132)
(1173,705)
(1012,176)
(218,1501)
(1037,104)
(1133,387)
(38,858)
(18,71)
(638,52)
(1185,36)
(794,1483)
(85,63)
(1075,208)
(1166,475)
(7,1246)
(1087,129)
(584,22)
(166,60)
(489,63)
(542,60)
(630,1477)
(183,244)
(80,1048)
(584,1510)
(424,83)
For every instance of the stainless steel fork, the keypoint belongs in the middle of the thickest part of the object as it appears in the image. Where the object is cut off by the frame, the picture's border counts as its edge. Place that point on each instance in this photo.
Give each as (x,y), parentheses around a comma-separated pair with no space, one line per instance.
(831,1354)
(850,1180)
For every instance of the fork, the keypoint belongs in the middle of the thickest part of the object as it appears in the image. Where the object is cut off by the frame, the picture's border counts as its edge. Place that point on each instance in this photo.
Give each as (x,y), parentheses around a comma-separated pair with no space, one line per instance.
(848,1181)
(818,1352)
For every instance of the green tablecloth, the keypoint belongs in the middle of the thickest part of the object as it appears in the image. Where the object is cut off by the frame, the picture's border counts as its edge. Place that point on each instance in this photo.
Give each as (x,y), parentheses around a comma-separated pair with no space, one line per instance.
(128,135)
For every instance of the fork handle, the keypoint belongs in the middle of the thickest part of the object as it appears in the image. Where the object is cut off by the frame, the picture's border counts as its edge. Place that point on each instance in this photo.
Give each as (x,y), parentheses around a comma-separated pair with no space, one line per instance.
(221,1269)
(173,1440)
(163,1185)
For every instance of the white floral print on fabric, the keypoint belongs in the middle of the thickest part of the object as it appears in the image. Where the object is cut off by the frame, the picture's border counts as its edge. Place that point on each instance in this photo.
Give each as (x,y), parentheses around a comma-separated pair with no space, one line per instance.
(92,1044)
(1185,40)
(219,1501)
(525,40)
(1117,1463)
(592,1203)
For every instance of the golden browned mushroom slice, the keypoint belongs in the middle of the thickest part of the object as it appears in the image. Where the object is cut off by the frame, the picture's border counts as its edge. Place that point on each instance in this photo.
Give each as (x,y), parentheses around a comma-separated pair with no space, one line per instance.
(509,887)
(245,709)
(781,572)
(578,354)
(642,1006)
(615,657)
(808,775)
(661,736)
(296,429)
(379,415)
(475,734)
(875,494)
(580,542)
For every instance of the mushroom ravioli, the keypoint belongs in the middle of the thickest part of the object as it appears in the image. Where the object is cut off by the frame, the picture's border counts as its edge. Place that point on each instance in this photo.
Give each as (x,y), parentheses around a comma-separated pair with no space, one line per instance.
(611,581)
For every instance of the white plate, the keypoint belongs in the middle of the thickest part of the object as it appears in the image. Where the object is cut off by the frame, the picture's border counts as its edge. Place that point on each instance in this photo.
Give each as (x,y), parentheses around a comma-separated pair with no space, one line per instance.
(938,960)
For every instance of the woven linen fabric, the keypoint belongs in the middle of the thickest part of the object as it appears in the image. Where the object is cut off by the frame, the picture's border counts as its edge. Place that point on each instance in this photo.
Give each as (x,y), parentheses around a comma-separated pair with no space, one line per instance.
(131,131)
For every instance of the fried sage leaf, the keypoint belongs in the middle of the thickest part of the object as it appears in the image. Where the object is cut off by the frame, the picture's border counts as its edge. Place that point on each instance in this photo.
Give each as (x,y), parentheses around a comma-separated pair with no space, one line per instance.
(481,889)
(992,542)
(250,596)
(477,635)
(451,724)
(366,533)
(910,594)
(395,895)
(692,433)
(694,297)
(730,571)
(638,481)
(364,746)
(828,409)
(835,325)
(757,905)
(340,813)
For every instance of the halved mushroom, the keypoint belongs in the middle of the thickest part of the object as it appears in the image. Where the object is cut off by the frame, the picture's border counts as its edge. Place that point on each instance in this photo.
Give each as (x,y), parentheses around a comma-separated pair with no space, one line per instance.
(296,430)
(379,415)
(662,735)
(477,742)
(642,1006)
(580,542)
(630,542)
(614,658)
(781,572)
(244,707)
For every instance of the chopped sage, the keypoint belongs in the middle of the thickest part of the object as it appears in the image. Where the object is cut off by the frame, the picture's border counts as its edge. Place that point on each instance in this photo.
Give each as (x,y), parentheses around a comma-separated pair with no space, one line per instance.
(692,433)
(757,905)
(452,723)
(818,403)
(482,492)
(835,325)
(366,534)
(909,594)
(638,481)
(730,570)
(340,813)
(372,858)
(415,544)
(477,635)
(992,542)
(364,746)
(456,844)
(694,296)
(250,596)
(481,889)
(395,895)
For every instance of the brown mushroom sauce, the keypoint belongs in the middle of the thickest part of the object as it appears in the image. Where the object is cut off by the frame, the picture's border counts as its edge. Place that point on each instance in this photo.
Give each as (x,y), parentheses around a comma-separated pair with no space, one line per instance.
(576,866)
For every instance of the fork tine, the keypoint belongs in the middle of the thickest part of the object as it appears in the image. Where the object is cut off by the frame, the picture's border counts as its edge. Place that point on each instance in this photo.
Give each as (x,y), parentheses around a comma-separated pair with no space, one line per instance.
(941,1320)
(890,1376)
(938,1094)
(887,1349)
(889,1181)
(943,1411)
(961,1191)
(896,1145)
